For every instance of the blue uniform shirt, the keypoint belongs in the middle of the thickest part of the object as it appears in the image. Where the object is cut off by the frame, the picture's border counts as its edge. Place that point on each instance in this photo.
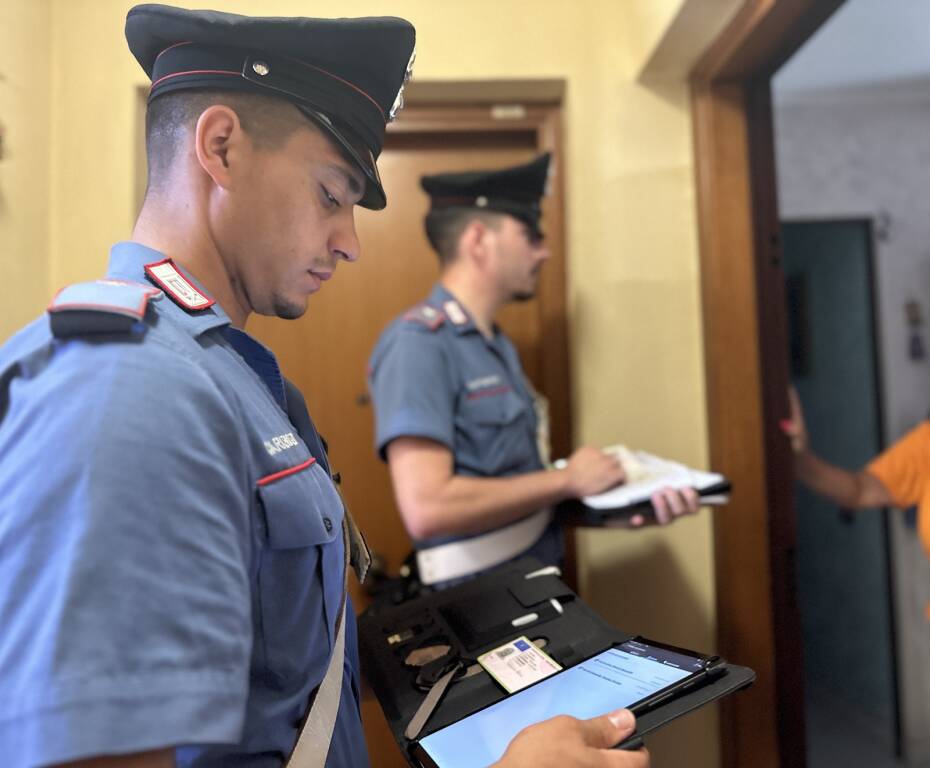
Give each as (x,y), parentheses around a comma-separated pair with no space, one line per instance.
(434,375)
(171,555)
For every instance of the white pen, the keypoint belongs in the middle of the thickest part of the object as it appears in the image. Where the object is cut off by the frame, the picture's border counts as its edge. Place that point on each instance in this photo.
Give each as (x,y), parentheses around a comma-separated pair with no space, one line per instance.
(549,570)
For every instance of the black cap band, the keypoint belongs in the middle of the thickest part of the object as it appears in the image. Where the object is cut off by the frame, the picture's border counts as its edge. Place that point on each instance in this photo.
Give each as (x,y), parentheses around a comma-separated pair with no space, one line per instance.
(346,75)
(527,212)
(188,65)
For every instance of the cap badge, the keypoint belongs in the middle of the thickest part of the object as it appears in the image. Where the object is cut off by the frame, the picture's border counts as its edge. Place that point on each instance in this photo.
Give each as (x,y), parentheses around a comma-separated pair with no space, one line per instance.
(550,172)
(481,201)
(398,104)
(260,68)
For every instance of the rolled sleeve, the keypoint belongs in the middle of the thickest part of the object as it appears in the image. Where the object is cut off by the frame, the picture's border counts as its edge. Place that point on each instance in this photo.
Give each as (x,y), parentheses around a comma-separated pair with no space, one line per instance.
(412,389)
(125,541)
(904,469)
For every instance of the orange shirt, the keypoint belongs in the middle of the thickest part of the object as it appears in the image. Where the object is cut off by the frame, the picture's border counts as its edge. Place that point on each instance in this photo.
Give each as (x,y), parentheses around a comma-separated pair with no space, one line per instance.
(904,469)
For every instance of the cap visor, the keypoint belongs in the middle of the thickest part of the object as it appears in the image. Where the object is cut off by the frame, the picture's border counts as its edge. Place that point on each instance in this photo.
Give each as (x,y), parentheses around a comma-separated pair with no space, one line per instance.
(373,196)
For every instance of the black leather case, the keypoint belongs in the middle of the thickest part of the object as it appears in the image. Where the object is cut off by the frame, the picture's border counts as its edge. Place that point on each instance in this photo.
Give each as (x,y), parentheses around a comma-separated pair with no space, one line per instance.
(475,617)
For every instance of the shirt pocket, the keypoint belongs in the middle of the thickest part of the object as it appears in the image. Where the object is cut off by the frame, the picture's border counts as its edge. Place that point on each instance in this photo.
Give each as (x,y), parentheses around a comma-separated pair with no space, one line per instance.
(300,510)
(493,409)
(495,435)
(300,574)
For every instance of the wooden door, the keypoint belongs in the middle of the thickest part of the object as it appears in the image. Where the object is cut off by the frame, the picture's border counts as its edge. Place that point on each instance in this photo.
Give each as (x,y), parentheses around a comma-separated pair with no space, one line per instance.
(325,353)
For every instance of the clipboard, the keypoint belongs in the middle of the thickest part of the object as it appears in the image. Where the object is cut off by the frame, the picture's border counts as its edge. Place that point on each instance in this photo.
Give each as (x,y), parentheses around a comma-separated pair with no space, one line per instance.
(652,474)
(575,512)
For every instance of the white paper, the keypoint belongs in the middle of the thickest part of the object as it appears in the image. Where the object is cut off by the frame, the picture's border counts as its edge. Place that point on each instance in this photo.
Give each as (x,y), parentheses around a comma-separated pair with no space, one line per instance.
(649,474)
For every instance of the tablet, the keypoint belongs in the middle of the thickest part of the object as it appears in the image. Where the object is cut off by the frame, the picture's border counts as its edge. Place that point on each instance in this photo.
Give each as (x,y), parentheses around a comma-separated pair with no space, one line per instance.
(638,674)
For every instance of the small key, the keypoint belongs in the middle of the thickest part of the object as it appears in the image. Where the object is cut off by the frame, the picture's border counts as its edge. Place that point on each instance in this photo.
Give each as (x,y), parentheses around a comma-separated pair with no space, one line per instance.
(429,704)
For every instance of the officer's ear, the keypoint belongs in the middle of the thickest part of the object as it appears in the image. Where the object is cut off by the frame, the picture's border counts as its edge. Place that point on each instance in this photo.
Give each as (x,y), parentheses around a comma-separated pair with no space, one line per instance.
(219,142)
(474,240)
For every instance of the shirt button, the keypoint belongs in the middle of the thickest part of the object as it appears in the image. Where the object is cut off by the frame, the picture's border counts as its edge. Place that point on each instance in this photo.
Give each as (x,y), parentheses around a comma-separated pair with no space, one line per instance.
(328,524)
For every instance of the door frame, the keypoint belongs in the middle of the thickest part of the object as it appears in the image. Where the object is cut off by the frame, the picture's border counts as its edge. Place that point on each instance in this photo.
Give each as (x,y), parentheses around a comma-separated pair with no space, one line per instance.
(746,370)
(878,389)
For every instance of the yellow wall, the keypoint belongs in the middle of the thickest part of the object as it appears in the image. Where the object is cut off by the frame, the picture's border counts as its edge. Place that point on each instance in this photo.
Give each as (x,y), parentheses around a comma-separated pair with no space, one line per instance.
(636,335)
(24,168)
(648,21)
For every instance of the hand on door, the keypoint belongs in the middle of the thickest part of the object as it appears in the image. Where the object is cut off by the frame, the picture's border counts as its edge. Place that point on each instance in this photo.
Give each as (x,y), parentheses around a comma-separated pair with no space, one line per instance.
(794,426)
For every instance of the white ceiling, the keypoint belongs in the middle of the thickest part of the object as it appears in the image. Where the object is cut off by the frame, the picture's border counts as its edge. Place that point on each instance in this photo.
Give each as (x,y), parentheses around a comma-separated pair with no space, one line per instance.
(866,42)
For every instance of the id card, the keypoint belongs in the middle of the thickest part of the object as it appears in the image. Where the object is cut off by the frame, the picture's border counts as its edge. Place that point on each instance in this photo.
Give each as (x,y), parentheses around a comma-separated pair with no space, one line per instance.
(518,664)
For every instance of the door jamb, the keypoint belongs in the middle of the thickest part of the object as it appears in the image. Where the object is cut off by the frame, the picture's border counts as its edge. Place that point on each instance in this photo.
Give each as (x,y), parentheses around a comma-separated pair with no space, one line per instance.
(746,372)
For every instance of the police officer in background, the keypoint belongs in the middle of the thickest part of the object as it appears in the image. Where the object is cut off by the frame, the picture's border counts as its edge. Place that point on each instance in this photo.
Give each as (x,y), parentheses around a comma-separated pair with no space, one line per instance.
(173,551)
(456,418)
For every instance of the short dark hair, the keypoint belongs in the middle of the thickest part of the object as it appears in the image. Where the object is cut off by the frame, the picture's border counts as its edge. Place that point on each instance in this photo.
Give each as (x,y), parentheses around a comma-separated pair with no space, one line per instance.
(444,227)
(269,121)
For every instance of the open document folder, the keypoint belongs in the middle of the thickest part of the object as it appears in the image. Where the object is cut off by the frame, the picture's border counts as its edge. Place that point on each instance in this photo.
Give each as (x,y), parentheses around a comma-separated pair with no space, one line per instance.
(646,475)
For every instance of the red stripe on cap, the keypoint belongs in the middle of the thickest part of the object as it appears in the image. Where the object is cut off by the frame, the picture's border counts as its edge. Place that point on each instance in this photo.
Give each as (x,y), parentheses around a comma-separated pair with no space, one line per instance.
(342,80)
(267,479)
(443,201)
(198,72)
(185,42)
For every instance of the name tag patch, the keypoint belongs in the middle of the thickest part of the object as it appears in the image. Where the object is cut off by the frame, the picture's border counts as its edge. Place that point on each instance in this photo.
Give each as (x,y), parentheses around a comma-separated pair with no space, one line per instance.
(455,313)
(275,445)
(483,383)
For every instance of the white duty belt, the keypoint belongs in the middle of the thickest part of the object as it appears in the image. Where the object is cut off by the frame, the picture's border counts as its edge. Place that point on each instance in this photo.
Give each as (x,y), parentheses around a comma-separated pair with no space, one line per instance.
(463,558)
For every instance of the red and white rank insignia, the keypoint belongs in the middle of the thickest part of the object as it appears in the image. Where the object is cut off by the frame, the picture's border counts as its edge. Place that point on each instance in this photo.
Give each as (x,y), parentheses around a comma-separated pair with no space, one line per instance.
(169,278)
(455,313)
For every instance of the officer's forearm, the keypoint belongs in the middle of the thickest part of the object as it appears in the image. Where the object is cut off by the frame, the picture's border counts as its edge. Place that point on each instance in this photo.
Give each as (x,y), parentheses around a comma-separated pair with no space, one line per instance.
(467,505)
(434,501)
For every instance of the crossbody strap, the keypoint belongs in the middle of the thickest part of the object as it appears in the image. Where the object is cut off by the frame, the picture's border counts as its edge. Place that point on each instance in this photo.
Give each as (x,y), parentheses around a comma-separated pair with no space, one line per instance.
(316,734)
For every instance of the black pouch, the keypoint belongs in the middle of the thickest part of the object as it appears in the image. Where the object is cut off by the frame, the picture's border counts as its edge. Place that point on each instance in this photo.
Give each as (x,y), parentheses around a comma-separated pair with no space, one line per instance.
(476,617)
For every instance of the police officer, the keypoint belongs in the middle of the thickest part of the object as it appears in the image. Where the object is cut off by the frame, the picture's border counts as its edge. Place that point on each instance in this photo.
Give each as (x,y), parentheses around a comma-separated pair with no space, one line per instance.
(455,415)
(173,551)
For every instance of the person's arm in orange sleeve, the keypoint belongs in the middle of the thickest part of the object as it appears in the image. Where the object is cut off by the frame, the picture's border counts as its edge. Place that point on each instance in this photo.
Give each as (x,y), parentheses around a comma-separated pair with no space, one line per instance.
(860,489)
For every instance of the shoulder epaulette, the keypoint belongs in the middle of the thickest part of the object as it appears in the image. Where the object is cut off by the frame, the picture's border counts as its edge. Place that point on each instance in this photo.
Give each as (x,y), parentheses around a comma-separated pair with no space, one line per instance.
(100,306)
(426,315)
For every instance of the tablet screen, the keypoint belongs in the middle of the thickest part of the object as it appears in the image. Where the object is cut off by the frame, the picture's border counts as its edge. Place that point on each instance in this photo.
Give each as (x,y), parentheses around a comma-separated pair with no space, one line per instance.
(615,678)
